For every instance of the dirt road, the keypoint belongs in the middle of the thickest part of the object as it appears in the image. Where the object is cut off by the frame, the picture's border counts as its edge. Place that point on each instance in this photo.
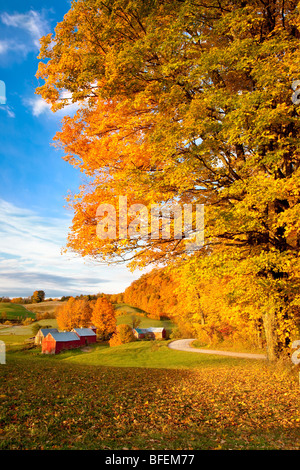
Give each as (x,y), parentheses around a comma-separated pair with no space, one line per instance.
(185,345)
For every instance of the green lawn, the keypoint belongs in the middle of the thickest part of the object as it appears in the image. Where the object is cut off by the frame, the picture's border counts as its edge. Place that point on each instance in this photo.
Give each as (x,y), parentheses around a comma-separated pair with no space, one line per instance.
(14,311)
(145,321)
(149,354)
(128,309)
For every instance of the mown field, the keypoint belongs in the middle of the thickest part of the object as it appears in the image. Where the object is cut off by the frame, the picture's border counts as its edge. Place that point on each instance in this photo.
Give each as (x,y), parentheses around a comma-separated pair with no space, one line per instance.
(11,311)
(44,307)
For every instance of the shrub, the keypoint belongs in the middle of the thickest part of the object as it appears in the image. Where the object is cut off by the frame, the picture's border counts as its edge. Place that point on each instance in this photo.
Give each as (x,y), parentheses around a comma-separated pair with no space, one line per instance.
(35,328)
(182,330)
(122,335)
(27,321)
(45,315)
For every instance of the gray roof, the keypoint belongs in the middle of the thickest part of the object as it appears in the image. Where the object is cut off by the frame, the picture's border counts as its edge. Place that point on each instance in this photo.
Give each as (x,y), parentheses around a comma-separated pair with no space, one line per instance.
(65,336)
(155,330)
(149,330)
(84,331)
(45,331)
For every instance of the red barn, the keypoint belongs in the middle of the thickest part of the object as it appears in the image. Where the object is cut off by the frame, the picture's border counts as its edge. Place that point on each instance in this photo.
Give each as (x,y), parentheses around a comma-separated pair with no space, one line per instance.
(150,333)
(86,335)
(53,343)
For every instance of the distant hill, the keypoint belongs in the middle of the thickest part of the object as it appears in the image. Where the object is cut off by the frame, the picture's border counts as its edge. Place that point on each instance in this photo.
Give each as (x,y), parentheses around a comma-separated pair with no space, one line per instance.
(126,312)
(43,307)
(11,311)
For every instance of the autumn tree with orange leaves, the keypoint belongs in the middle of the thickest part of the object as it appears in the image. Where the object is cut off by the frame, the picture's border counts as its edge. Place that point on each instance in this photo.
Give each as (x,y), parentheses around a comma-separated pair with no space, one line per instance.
(75,313)
(188,102)
(104,318)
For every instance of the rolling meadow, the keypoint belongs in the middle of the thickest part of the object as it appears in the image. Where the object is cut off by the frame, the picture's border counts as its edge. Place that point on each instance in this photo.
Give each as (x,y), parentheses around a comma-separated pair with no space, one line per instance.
(143,396)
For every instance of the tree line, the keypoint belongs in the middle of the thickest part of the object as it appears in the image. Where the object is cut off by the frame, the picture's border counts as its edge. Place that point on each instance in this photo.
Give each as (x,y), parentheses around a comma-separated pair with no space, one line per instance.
(205,308)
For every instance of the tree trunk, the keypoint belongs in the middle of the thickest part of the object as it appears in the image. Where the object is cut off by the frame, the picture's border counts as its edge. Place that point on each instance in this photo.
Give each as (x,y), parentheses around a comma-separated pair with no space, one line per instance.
(259,333)
(269,322)
(202,317)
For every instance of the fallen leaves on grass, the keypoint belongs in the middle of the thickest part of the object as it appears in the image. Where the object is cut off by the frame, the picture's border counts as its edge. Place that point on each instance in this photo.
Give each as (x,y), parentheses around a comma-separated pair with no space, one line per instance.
(77,407)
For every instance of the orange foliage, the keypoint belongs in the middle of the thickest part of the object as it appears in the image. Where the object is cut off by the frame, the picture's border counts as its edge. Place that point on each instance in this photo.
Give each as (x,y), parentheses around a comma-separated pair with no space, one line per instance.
(154,293)
(104,318)
(179,105)
(75,313)
(122,335)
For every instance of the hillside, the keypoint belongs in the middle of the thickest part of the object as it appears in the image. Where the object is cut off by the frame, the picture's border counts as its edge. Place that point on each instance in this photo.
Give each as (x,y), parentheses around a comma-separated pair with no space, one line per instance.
(55,403)
(11,311)
(128,312)
(43,307)
(142,395)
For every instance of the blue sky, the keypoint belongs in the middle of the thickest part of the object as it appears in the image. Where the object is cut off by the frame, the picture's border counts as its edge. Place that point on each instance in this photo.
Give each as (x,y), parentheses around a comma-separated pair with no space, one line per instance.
(34,178)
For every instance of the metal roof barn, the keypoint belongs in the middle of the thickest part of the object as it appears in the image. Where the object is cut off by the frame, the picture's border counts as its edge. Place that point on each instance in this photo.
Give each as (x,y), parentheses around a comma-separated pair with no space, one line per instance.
(86,335)
(42,333)
(84,331)
(54,343)
(151,332)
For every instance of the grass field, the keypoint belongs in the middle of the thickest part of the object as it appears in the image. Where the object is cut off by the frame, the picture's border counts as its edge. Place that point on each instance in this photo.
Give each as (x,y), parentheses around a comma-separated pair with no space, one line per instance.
(44,307)
(75,401)
(14,311)
(141,354)
(143,395)
(145,321)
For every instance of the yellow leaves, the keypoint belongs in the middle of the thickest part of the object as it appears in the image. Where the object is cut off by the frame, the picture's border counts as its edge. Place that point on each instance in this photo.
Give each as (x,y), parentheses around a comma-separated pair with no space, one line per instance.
(104,317)
(74,313)
(141,130)
(204,117)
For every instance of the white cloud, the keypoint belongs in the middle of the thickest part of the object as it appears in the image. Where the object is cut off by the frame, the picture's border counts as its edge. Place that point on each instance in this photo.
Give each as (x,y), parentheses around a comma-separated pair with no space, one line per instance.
(20,33)
(4,47)
(12,45)
(8,111)
(37,105)
(30,258)
(32,22)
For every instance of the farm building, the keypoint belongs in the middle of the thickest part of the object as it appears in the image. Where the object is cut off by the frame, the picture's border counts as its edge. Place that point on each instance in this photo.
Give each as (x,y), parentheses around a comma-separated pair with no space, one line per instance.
(86,335)
(55,342)
(149,333)
(42,333)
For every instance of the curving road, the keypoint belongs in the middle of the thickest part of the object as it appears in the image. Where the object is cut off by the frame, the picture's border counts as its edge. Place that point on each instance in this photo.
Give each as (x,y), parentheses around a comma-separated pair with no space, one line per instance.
(185,345)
